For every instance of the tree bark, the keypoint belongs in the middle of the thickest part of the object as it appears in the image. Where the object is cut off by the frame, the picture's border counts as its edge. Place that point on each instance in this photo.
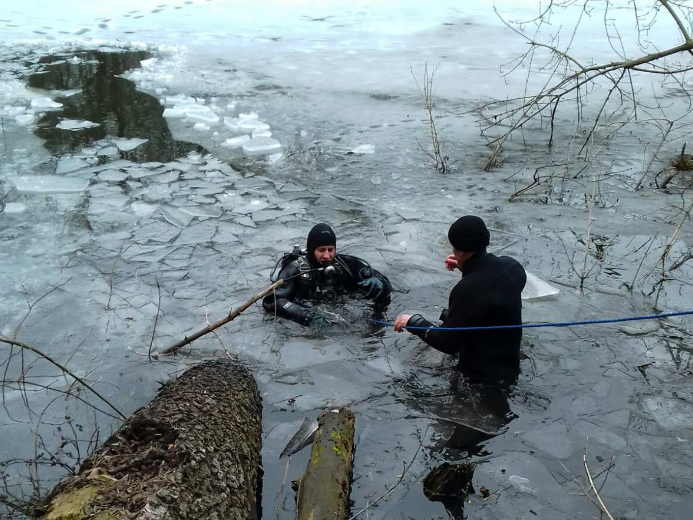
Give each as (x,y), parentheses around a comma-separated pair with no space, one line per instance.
(192,453)
(323,491)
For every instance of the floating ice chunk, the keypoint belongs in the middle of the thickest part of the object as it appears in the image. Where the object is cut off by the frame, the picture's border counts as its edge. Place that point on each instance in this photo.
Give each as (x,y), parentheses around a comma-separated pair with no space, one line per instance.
(70,164)
(112,176)
(376,180)
(116,201)
(275,157)
(522,484)
(13,111)
(250,116)
(536,288)
(148,63)
(236,142)
(261,133)
(201,127)
(108,151)
(166,177)
(174,113)
(24,119)
(14,208)
(49,184)
(178,98)
(640,329)
(75,124)
(142,209)
(206,116)
(364,149)
(176,217)
(231,106)
(138,173)
(262,146)
(45,103)
(126,145)
(245,125)
(66,93)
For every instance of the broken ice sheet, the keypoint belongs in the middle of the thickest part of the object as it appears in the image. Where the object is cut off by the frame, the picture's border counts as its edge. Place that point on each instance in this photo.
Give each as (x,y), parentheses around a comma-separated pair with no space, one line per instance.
(176,217)
(112,176)
(201,211)
(49,184)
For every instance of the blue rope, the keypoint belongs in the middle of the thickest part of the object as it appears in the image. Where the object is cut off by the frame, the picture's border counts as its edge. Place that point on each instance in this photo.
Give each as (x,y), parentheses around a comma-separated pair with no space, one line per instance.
(556,324)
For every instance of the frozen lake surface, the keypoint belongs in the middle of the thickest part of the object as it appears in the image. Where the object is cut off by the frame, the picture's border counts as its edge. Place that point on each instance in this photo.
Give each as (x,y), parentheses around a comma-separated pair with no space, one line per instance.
(156,160)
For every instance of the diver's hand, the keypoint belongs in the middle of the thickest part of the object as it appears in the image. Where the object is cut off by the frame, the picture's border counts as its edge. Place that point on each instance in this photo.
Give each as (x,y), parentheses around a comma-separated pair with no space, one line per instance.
(401,322)
(318,322)
(451,263)
(373,287)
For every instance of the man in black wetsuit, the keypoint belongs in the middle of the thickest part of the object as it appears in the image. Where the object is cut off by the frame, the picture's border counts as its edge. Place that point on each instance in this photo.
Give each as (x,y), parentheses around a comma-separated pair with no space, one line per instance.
(322,276)
(488,294)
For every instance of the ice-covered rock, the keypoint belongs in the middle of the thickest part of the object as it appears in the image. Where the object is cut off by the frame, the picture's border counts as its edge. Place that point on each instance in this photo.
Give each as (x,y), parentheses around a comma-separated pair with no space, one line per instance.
(236,142)
(262,146)
(49,184)
(364,149)
(75,124)
(536,288)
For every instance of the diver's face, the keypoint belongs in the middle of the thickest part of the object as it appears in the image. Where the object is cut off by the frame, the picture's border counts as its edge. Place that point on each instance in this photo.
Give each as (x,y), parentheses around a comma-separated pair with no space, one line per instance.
(325,254)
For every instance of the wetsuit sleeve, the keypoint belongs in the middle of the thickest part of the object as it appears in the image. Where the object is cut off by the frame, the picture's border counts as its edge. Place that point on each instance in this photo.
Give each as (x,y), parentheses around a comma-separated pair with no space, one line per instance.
(361,270)
(280,302)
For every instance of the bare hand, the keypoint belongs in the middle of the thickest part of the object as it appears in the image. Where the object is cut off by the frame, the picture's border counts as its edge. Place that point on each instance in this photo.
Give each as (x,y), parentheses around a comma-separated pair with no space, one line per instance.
(451,263)
(401,322)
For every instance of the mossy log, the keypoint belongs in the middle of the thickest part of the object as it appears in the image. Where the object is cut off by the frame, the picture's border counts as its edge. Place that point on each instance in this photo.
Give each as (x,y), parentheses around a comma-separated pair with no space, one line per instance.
(323,491)
(192,453)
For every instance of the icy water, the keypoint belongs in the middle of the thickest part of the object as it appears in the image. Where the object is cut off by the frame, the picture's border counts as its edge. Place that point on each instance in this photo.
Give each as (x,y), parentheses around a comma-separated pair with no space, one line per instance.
(134,207)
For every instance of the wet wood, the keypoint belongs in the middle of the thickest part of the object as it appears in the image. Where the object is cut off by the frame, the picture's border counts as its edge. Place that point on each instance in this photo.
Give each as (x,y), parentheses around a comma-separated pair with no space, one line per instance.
(193,452)
(323,491)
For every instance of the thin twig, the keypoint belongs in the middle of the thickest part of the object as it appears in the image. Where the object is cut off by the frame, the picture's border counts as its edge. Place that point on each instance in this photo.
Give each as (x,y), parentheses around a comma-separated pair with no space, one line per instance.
(65,370)
(405,469)
(232,315)
(156,319)
(602,507)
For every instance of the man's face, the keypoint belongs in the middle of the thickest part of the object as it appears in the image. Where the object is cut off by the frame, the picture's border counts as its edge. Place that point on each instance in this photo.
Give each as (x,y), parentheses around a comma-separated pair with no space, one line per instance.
(325,254)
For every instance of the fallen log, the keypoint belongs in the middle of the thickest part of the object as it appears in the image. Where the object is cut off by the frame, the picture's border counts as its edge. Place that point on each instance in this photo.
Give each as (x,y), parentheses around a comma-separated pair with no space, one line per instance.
(323,491)
(193,452)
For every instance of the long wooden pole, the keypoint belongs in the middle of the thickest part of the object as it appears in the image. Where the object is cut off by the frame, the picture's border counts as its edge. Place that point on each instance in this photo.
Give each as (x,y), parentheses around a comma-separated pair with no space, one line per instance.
(231,316)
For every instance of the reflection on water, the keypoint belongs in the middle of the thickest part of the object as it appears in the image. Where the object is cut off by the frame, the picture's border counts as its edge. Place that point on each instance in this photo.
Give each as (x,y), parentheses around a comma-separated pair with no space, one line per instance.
(104,98)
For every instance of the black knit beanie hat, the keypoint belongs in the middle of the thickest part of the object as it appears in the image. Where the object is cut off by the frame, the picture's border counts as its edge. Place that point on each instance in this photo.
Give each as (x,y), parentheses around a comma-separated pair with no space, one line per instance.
(320,235)
(469,233)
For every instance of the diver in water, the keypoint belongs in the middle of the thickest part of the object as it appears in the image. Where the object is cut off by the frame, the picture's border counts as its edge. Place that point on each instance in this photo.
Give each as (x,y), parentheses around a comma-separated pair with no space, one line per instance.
(320,275)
